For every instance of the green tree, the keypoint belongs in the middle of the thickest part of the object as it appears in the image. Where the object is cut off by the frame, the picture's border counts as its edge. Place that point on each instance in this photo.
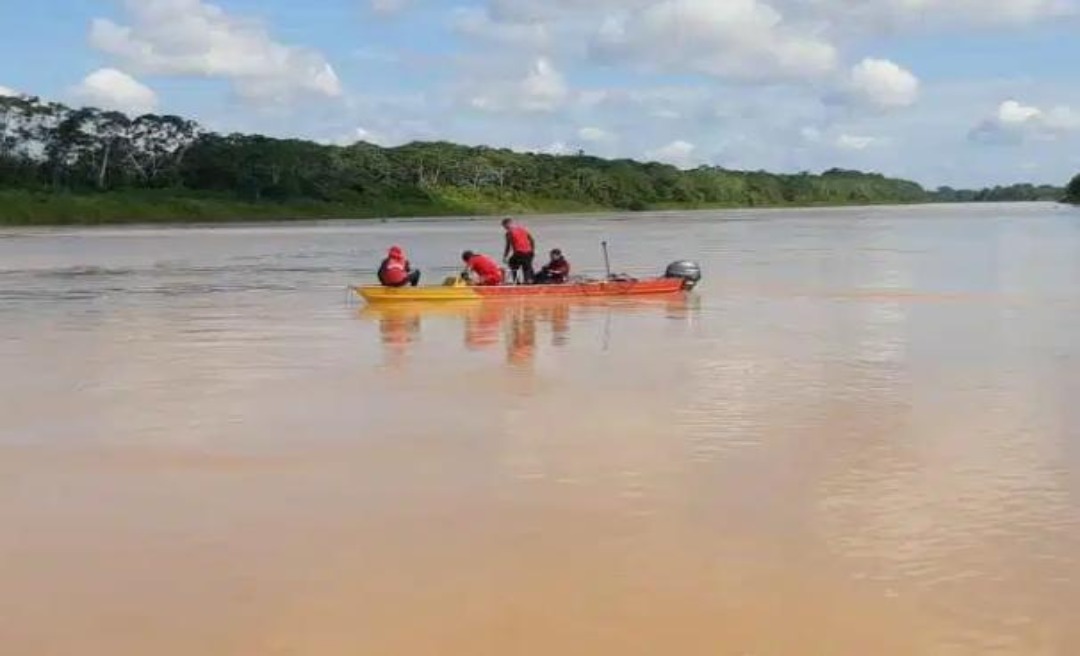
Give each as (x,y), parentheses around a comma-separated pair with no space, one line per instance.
(1072,191)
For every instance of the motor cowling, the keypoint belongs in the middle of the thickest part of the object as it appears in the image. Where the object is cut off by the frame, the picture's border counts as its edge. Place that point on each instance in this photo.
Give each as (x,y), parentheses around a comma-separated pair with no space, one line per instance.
(687,270)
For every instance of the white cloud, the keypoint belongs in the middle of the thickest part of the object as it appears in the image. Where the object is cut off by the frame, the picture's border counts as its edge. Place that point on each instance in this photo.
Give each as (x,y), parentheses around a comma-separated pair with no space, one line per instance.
(1062,119)
(5,91)
(882,84)
(810,133)
(554,148)
(1015,122)
(108,88)
(591,98)
(557,148)
(844,141)
(542,90)
(920,14)
(816,20)
(1011,113)
(522,11)
(358,134)
(853,21)
(678,153)
(854,142)
(477,23)
(594,134)
(192,37)
(741,39)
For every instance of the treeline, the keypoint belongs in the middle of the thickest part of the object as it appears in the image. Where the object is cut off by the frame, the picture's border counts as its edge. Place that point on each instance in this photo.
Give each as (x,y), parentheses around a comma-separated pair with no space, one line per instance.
(48,148)
(1011,193)
(1072,191)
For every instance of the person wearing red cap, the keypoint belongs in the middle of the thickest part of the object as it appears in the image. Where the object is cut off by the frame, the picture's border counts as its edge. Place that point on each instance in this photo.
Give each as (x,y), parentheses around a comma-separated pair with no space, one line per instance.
(396,271)
(486,270)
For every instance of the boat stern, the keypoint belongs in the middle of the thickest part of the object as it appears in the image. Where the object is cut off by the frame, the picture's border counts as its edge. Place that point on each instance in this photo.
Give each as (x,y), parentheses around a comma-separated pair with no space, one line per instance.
(686,270)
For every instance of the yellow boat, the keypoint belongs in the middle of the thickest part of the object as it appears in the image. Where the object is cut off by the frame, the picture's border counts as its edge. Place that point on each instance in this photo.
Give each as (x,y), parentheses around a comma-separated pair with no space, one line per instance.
(453,290)
(679,277)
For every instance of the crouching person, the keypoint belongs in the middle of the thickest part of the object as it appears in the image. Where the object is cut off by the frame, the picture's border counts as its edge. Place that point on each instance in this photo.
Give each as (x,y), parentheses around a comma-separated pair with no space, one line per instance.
(396,271)
(482,269)
(556,271)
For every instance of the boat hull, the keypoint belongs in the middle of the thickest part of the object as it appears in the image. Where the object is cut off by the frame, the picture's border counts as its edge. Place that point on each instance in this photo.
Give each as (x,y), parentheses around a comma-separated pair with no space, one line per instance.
(592,289)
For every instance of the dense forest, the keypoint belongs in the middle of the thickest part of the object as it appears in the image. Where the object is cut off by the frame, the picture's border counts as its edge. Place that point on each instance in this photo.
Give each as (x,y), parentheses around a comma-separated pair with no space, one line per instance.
(1011,193)
(59,163)
(1072,191)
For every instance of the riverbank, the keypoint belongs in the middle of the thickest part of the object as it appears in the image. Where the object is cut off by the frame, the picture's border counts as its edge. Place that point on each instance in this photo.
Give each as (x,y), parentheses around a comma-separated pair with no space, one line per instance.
(25,208)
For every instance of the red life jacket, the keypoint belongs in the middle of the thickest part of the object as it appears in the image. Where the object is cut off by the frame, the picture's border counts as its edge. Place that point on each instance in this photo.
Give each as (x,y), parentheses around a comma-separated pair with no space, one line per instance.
(519,239)
(393,272)
(488,269)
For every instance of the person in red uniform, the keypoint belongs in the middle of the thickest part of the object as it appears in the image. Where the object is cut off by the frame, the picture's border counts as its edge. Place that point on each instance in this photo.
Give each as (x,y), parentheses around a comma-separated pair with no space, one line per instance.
(487,270)
(520,249)
(555,271)
(396,271)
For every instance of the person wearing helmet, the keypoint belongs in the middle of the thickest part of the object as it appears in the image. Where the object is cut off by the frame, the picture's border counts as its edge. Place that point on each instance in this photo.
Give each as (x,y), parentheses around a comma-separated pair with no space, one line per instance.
(396,271)
(520,249)
(556,271)
(485,270)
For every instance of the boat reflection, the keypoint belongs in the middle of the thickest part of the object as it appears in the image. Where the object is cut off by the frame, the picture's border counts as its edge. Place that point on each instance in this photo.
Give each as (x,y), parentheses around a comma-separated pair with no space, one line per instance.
(515,324)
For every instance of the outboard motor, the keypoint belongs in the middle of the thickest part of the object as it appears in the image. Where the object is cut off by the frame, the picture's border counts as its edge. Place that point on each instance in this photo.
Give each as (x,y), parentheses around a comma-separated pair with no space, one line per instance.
(689,271)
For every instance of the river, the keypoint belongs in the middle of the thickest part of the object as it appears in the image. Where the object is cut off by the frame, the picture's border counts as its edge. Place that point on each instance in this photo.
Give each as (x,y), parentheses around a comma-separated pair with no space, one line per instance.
(859,435)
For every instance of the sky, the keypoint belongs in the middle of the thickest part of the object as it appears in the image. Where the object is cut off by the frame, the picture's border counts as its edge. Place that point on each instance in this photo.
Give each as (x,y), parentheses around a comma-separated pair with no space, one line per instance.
(966,93)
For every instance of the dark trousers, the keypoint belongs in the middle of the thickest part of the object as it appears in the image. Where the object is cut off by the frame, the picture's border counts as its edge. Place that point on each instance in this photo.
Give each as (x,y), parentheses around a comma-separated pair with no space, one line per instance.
(523,261)
(544,277)
(413,279)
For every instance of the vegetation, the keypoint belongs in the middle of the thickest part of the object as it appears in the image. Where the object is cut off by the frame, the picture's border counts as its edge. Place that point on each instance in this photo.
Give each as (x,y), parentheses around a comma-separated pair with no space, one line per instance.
(60,164)
(1016,192)
(1072,191)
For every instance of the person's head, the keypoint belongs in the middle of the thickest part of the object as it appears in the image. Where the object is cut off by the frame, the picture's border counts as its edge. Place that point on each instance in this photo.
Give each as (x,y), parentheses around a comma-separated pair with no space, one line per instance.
(467,255)
(507,222)
(556,254)
(396,253)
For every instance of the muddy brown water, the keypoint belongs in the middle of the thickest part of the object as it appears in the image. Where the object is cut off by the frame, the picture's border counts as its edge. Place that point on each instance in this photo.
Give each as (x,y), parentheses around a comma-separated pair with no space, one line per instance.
(860,435)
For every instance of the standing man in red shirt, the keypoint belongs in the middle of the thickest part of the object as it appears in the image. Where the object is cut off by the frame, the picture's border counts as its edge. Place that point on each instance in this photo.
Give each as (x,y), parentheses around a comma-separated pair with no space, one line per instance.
(520,250)
(486,269)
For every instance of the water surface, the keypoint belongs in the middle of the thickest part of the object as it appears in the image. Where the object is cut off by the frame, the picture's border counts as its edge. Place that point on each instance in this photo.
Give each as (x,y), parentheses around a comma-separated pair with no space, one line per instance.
(860,435)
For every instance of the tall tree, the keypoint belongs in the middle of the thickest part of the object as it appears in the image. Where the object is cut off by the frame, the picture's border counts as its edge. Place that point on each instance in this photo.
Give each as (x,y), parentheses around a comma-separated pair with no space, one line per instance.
(1072,191)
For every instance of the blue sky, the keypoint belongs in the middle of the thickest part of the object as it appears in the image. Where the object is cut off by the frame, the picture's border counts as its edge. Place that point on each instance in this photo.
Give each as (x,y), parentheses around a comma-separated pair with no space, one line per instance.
(958,92)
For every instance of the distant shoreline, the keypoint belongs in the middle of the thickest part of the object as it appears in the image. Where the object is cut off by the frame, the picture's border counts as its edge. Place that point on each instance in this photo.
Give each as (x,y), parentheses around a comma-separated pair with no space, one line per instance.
(86,166)
(41,209)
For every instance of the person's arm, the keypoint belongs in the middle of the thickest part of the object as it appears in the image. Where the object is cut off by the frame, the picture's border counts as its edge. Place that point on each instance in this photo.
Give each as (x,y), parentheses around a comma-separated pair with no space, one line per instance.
(532,242)
(507,248)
